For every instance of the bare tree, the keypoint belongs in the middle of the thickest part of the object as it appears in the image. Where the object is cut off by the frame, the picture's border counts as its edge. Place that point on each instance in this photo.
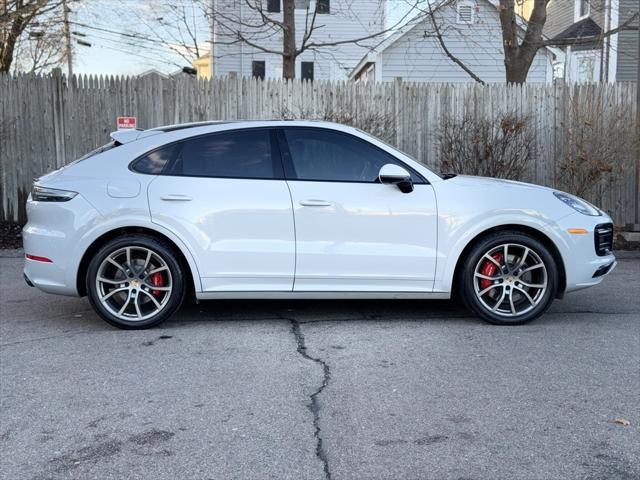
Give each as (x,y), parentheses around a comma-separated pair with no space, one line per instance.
(499,147)
(15,17)
(520,49)
(261,26)
(598,135)
(521,39)
(41,48)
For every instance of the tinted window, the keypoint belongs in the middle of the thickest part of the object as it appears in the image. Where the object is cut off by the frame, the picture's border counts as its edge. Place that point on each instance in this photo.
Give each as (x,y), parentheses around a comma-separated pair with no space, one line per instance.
(257,69)
(323,6)
(306,71)
(155,161)
(273,6)
(239,154)
(318,154)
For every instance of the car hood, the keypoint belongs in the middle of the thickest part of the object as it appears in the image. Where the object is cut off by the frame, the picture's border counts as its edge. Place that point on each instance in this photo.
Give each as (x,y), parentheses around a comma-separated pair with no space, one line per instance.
(488,182)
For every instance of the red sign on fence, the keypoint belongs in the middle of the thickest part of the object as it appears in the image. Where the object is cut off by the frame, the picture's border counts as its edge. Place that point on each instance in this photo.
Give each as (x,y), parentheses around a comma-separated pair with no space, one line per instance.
(126,122)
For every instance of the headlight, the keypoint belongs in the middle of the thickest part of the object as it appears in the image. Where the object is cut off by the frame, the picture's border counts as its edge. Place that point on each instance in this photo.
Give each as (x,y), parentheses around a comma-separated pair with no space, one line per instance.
(578,204)
(44,194)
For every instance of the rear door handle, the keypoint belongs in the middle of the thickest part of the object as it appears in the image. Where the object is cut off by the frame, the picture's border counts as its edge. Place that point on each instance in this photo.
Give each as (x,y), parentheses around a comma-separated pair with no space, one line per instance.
(175,197)
(315,203)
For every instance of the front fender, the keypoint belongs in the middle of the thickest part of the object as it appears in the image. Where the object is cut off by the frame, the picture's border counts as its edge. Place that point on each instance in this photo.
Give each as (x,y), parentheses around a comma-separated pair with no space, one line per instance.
(456,233)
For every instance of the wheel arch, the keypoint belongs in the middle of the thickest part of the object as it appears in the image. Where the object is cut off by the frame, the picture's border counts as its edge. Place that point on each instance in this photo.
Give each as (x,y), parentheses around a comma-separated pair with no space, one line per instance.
(531,231)
(191,274)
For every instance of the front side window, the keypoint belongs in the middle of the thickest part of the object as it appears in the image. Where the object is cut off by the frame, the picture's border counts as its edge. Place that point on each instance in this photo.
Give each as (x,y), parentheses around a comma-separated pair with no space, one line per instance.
(237,154)
(330,156)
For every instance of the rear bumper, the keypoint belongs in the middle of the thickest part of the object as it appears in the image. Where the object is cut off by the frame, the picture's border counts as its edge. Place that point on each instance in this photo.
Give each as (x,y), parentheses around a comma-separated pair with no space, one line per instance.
(27,281)
(53,232)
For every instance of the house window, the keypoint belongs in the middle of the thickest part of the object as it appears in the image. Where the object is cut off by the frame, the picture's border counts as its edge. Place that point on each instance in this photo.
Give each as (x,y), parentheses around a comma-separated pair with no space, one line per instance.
(257,69)
(273,6)
(466,11)
(302,4)
(582,9)
(586,69)
(306,71)
(323,6)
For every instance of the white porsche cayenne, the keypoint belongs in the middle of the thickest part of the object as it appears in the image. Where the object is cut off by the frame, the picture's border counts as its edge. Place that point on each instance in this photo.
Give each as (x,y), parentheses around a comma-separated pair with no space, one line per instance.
(299,209)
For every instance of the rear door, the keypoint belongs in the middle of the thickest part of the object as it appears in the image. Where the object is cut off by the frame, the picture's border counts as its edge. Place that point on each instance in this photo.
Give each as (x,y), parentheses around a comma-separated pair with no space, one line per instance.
(354,233)
(224,194)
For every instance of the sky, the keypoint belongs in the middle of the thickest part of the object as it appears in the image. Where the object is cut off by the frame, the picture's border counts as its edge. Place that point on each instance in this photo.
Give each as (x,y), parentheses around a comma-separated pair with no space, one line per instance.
(129,37)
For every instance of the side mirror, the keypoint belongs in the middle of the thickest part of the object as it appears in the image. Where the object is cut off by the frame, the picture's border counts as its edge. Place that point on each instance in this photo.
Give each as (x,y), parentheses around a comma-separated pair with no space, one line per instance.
(391,174)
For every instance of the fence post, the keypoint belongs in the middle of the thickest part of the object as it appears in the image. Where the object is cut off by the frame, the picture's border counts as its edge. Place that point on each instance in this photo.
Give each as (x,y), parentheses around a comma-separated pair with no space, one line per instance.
(397,110)
(57,111)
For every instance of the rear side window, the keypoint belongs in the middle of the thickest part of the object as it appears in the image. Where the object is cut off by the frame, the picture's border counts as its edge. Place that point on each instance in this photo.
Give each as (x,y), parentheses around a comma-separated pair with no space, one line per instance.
(154,162)
(236,154)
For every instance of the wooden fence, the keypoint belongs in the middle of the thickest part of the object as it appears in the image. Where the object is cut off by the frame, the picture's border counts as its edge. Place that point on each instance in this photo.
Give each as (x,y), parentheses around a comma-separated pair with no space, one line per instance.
(47,121)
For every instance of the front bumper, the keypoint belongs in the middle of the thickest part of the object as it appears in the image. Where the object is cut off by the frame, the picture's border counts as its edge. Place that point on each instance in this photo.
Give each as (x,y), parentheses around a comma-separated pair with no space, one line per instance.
(584,267)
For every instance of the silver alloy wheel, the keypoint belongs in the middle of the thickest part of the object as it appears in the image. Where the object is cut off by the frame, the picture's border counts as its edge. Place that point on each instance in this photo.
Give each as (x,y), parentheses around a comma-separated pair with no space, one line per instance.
(134,283)
(510,280)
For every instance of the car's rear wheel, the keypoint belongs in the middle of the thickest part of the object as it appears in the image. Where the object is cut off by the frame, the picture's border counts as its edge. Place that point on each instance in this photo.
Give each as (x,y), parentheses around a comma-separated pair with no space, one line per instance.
(509,278)
(135,282)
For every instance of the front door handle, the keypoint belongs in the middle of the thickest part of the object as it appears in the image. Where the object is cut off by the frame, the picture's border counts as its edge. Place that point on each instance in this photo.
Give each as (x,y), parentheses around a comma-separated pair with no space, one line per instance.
(175,197)
(315,203)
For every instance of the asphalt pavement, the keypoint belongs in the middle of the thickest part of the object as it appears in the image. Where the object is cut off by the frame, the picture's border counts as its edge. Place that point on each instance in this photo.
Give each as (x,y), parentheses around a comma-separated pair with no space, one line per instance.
(321,389)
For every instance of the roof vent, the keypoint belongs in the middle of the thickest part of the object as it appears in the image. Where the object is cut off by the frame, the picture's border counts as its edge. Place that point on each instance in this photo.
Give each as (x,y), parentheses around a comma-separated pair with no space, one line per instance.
(466,12)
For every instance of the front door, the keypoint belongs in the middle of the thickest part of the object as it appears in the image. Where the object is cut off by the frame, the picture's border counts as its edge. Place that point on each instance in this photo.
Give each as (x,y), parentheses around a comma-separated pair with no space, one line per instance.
(352,232)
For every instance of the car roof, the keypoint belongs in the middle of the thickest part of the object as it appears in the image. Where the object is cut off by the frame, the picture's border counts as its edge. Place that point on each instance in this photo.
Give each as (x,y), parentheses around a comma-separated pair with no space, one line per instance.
(186,130)
(239,124)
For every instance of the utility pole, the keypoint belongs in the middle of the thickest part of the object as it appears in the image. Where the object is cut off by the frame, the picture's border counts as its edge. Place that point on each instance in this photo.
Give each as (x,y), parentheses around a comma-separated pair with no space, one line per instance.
(67,39)
(212,31)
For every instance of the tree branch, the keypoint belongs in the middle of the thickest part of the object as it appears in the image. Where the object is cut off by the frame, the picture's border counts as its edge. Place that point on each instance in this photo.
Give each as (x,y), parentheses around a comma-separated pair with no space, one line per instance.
(446,51)
(589,40)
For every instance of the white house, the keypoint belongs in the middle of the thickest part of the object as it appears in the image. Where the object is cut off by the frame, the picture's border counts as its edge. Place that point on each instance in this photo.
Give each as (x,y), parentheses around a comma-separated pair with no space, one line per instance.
(471,33)
(336,20)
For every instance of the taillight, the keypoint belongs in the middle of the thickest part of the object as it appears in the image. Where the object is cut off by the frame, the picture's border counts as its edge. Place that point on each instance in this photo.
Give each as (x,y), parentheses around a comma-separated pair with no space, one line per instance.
(38,258)
(44,194)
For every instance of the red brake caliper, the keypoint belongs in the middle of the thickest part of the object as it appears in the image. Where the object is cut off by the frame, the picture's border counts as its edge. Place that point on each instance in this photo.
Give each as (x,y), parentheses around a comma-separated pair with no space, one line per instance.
(157,281)
(489,269)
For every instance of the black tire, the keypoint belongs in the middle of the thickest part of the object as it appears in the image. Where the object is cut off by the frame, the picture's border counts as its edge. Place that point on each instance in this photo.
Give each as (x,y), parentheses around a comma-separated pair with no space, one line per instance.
(467,279)
(169,305)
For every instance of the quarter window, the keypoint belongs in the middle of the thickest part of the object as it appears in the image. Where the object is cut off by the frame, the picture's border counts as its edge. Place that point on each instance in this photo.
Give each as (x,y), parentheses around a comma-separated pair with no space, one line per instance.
(153,163)
(238,154)
(325,155)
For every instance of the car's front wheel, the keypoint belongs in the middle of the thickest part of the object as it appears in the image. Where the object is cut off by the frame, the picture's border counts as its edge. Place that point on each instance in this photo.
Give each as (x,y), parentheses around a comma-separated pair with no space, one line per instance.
(135,281)
(509,278)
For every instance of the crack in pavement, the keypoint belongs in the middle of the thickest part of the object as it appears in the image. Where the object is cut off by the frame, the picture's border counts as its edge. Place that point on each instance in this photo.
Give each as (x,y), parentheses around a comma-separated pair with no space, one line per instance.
(314,406)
